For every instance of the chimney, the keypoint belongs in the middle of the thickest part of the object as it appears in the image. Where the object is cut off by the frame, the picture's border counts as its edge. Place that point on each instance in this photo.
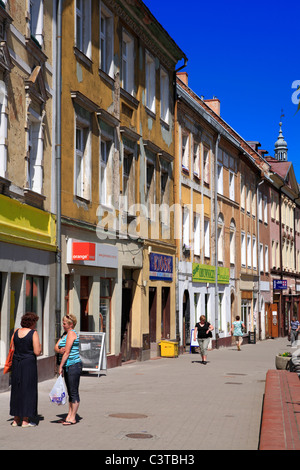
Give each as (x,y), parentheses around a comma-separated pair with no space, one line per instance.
(183,77)
(214,104)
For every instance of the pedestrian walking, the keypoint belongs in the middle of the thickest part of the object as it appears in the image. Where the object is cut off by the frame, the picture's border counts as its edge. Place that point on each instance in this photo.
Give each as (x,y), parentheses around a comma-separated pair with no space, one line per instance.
(24,377)
(203,332)
(237,332)
(70,365)
(293,331)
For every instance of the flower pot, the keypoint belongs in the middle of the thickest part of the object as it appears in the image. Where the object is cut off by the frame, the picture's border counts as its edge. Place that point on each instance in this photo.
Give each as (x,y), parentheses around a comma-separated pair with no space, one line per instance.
(281,362)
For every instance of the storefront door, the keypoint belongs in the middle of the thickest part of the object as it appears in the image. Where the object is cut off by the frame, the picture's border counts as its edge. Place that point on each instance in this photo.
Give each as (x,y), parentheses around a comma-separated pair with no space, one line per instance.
(126,324)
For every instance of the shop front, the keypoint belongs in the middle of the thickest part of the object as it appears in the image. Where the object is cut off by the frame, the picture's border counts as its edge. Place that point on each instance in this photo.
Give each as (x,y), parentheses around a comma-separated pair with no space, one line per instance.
(27,277)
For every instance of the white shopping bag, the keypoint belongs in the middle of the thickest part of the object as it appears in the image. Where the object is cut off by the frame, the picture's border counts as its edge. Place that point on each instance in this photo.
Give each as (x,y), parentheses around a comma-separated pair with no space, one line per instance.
(58,394)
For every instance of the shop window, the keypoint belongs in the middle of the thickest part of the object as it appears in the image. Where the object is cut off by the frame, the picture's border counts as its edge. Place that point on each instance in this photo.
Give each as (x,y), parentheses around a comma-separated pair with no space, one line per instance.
(35,300)
(246,313)
(105,310)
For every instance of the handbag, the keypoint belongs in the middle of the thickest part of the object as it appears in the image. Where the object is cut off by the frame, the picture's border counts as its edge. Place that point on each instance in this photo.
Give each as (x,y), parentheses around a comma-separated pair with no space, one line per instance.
(58,394)
(8,362)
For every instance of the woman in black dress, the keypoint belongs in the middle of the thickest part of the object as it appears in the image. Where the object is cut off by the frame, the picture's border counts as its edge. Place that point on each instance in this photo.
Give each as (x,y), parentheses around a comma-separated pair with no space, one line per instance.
(23,398)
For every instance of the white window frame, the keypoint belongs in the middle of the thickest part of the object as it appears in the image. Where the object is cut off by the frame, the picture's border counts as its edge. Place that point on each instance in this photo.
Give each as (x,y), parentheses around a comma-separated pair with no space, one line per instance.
(36,15)
(206,175)
(243,249)
(185,149)
(35,153)
(231,185)
(106,29)
(261,257)
(249,254)
(254,251)
(127,62)
(82,159)
(266,258)
(265,209)
(220,178)
(196,158)
(164,95)
(206,238)
(150,81)
(186,228)
(83,26)
(197,234)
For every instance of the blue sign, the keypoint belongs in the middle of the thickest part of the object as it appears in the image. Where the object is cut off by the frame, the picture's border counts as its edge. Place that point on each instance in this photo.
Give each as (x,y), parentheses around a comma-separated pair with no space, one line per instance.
(279,284)
(161,267)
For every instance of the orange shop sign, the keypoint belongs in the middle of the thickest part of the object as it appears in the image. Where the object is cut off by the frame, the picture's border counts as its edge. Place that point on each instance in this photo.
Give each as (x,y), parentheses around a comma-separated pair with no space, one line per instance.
(83,251)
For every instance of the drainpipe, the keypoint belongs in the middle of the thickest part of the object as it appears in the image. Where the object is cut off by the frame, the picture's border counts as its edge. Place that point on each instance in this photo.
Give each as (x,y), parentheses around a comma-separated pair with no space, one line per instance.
(216,242)
(258,258)
(58,169)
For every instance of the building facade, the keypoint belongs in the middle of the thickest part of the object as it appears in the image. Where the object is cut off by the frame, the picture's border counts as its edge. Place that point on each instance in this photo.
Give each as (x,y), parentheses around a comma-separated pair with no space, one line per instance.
(118,251)
(27,221)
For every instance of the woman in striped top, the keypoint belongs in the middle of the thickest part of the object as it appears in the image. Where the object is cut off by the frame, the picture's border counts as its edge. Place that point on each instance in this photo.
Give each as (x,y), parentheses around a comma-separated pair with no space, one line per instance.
(70,365)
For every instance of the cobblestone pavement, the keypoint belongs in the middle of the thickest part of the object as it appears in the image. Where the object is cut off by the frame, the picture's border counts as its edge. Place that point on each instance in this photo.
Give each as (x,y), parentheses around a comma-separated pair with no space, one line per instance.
(162,404)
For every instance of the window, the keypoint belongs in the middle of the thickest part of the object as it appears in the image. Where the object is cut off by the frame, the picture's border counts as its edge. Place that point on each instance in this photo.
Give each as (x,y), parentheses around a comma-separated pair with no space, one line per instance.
(197,234)
(128,180)
(243,249)
(106,41)
(249,251)
(220,179)
(185,152)
(150,183)
(196,159)
(266,259)
(231,185)
(36,19)
(232,243)
(150,82)
(82,160)
(186,228)
(259,205)
(246,313)
(242,193)
(206,239)
(206,177)
(164,95)
(35,155)
(105,309)
(261,257)
(104,156)
(127,62)
(265,209)
(220,238)
(248,199)
(83,26)
(35,300)
(254,252)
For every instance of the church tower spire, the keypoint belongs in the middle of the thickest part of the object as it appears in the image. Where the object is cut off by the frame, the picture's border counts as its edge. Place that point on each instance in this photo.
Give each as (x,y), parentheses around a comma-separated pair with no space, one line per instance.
(280,147)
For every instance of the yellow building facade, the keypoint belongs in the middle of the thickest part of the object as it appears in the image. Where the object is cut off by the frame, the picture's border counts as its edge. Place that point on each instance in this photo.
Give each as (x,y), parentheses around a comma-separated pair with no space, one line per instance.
(117,157)
(27,175)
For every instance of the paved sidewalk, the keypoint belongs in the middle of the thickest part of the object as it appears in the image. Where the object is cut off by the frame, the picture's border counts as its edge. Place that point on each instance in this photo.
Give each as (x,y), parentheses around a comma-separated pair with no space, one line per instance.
(161,404)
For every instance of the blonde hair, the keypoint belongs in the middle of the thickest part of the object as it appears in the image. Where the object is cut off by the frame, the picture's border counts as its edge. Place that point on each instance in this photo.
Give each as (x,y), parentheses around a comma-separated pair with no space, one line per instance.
(70,319)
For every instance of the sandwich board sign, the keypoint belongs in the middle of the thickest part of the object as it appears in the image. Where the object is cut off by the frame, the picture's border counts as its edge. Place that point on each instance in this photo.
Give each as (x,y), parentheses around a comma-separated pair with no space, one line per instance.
(92,351)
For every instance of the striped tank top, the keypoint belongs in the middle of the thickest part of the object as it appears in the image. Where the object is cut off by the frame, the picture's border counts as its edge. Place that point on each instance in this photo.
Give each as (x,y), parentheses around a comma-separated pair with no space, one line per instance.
(74,355)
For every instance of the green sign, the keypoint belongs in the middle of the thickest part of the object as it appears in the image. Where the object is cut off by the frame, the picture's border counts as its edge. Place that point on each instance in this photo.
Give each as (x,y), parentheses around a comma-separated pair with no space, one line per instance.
(206,273)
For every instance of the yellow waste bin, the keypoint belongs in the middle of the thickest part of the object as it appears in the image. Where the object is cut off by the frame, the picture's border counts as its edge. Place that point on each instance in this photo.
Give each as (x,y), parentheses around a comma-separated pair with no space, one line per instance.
(168,348)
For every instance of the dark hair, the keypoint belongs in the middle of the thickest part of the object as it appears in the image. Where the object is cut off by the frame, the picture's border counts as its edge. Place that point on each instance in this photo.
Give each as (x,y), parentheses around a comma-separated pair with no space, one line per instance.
(237,317)
(29,319)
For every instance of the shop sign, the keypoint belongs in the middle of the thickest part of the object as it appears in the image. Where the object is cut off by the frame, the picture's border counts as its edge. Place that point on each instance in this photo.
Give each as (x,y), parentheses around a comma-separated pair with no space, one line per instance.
(279,284)
(100,255)
(161,267)
(207,273)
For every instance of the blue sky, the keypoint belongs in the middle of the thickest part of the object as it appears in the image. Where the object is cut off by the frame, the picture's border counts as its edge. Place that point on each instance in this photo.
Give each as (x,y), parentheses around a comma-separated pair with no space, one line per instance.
(248,55)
